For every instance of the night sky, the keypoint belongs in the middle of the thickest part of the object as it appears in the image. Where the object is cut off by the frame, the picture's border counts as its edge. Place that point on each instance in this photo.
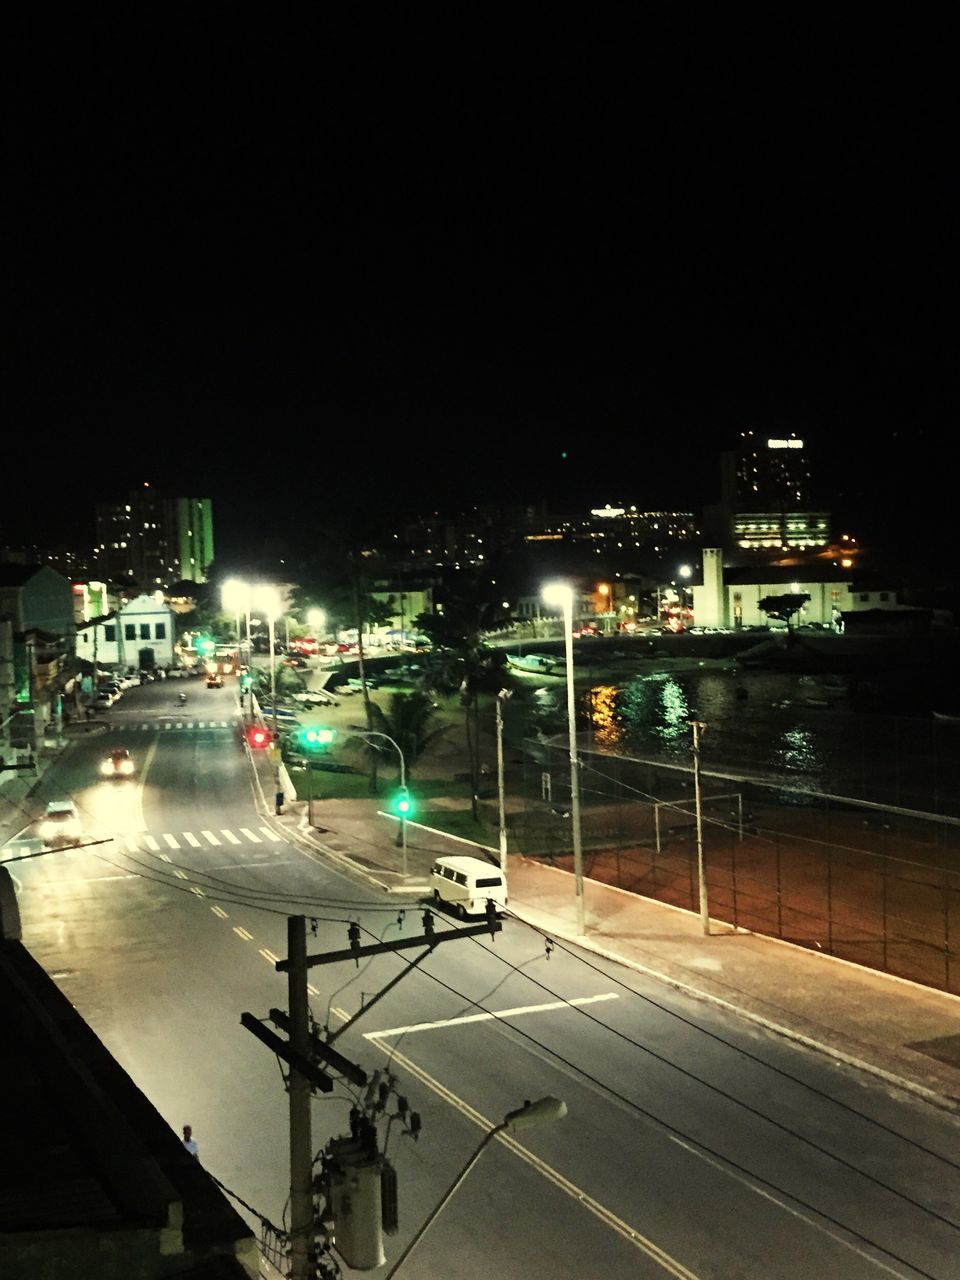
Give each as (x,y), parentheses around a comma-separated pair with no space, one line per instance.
(305,258)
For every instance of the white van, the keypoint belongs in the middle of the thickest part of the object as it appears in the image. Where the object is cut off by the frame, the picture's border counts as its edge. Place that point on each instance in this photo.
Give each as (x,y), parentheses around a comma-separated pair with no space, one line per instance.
(467,883)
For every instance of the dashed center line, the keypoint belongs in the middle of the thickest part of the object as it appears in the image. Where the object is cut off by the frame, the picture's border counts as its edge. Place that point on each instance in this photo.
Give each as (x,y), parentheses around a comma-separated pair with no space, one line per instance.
(197,890)
(268,955)
(242,933)
(165,857)
(219,911)
(181,875)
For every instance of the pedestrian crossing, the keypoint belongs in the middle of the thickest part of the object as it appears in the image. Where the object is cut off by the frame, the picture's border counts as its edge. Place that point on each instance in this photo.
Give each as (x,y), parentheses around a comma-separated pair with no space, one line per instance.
(146,842)
(166,726)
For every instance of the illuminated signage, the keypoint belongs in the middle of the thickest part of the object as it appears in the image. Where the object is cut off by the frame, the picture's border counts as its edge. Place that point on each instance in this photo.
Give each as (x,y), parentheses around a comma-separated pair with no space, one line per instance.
(784,444)
(607,511)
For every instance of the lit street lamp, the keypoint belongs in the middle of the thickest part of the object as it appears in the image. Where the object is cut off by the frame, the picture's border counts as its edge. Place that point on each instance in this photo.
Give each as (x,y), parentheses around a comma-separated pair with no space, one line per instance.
(235,599)
(317,621)
(561,593)
(267,598)
(531,1115)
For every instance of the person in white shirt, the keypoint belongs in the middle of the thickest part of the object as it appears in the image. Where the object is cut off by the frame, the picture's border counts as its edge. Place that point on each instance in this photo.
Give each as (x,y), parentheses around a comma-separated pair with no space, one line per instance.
(188,1141)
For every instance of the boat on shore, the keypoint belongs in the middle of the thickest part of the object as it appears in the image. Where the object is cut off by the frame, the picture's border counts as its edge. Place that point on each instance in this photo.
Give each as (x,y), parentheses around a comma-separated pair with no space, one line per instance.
(542,664)
(943,715)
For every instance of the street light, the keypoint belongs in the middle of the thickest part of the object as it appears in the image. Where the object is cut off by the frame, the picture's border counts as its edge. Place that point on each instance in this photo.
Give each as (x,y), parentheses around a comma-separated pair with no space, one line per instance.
(375,733)
(561,593)
(267,598)
(235,598)
(501,699)
(317,621)
(531,1115)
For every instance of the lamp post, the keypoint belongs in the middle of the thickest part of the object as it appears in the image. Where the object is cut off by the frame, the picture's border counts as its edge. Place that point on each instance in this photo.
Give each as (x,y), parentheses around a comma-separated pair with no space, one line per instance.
(698,726)
(501,699)
(366,734)
(235,598)
(531,1115)
(562,593)
(267,598)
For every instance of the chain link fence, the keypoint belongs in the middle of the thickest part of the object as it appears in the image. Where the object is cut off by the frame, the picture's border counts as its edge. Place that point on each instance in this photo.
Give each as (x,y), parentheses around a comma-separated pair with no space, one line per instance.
(860,879)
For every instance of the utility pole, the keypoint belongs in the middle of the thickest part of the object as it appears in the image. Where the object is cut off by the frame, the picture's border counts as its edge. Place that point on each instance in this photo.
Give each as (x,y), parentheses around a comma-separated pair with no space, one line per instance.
(697,726)
(301,1141)
(501,698)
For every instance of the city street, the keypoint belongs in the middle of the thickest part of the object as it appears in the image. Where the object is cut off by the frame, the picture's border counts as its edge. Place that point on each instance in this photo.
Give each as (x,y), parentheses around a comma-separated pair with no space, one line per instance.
(694,1146)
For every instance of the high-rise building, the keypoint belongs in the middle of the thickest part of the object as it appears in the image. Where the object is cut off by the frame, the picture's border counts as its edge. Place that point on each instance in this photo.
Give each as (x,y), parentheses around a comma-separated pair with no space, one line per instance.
(152,540)
(766,501)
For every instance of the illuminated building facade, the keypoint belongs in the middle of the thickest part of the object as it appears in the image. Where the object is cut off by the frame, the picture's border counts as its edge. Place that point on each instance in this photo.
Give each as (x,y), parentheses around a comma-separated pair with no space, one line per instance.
(152,540)
(766,496)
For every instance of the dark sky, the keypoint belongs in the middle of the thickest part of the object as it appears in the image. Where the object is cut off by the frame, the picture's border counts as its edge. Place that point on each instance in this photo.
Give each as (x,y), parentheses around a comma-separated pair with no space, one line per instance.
(307,257)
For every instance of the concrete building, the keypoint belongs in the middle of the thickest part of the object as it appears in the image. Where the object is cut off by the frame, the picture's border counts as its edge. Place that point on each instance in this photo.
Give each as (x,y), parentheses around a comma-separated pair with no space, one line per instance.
(141,635)
(95,1182)
(152,541)
(731,597)
(36,598)
(766,500)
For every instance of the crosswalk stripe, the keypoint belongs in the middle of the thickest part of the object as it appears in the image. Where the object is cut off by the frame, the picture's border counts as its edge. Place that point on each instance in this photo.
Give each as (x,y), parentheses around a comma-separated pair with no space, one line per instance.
(191,839)
(267,832)
(144,726)
(168,725)
(245,831)
(210,837)
(230,836)
(131,843)
(180,725)
(151,843)
(173,844)
(223,724)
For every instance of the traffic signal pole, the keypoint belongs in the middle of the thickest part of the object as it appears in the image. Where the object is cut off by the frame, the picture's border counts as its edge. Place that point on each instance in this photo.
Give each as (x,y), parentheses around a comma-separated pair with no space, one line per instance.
(301,1141)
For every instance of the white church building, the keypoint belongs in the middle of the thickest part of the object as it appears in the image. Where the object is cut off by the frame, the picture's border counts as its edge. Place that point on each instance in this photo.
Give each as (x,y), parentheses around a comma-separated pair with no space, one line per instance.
(139,635)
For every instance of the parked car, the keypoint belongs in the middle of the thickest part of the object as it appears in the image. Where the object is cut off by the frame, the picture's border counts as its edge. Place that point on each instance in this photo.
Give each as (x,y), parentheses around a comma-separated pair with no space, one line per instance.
(60,824)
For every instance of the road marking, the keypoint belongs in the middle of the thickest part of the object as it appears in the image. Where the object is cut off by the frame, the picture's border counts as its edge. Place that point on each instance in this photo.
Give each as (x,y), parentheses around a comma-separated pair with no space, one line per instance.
(486,1017)
(606,1216)
(223,724)
(201,724)
(219,911)
(181,875)
(242,933)
(191,839)
(267,832)
(268,955)
(171,843)
(151,843)
(210,837)
(313,990)
(198,891)
(164,856)
(131,844)
(230,836)
(245,831)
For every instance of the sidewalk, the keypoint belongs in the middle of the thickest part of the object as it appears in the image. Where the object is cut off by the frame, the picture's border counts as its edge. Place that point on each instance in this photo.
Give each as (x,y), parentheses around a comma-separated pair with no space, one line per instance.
(902,1033)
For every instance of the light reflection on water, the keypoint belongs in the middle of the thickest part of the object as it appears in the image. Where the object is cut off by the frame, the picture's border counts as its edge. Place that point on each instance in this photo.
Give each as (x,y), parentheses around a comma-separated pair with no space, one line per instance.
(871,738)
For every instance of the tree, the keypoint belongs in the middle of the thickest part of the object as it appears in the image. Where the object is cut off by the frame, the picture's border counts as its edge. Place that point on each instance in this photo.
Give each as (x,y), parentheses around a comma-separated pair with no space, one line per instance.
(408,720)
(784,607)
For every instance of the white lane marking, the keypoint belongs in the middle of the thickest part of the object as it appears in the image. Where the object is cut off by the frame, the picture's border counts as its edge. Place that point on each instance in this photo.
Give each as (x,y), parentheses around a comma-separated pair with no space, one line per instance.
(230,836)
(242,933)
(151,843)
(223,724)
(486,1017)
(245,831)
(313,990)
(210,837)
(267,832)
(191,839)
(201,724)
(199,892)
(219,911)
(165,857)
(131,843)
(268,955)
(181,875)
(171,843)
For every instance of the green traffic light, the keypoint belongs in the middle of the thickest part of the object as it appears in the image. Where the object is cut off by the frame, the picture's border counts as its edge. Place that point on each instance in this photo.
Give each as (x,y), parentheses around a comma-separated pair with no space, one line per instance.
(315,738)
(402,803)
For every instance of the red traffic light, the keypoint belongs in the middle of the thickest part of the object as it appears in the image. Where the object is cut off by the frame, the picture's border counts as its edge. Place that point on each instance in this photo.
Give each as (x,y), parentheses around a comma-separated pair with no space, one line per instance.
(257,737)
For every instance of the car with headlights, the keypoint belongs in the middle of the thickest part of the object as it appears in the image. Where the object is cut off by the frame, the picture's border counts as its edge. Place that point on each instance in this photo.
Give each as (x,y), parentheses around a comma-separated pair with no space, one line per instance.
(60,824)
(118,764)
(214,680)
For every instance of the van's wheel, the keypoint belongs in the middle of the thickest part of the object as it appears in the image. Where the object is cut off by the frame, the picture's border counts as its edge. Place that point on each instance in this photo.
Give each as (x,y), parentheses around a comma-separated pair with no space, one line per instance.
(461,911)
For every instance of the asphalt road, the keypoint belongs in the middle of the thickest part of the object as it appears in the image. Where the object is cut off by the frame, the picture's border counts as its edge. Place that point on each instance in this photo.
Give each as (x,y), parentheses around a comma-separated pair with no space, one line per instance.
(695,1146)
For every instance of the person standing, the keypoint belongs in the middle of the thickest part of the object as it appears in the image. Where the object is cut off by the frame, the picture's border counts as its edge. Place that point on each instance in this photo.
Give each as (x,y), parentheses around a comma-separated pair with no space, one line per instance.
(188,1141)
